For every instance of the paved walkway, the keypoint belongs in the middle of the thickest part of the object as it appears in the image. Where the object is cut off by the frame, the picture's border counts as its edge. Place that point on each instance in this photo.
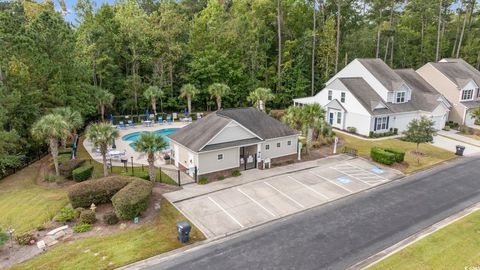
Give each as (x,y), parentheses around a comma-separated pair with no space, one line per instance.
(366,138)
(449,141)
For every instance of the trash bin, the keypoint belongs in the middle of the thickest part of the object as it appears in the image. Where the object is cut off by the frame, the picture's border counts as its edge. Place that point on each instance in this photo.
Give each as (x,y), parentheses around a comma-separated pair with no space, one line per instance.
(460,149)
(183,229)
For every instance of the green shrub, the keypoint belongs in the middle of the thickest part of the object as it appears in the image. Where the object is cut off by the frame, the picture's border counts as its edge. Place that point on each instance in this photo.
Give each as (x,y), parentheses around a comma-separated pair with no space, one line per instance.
(62,158)
(380,155)
(352,129)
(25,239)
(220,177)
(399,153)
(78,211)
(66,214)
(81,228)
(110,218)
(82,173)
(3,237)
(236,172)
(133,199)
(67,167)
(50,178)
(66,151)
(97,191)
(88,217)
(203,180)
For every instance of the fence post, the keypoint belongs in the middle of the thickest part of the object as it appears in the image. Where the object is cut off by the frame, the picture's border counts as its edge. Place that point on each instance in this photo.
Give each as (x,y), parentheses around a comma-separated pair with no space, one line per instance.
(111,166)
(160,169)
(132,167)
(179,184)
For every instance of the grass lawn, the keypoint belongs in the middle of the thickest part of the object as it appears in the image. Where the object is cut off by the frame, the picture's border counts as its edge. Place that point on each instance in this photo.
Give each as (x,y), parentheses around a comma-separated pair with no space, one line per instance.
(119,249)
(456,246)
(25,205)
(98,167)
(433,155)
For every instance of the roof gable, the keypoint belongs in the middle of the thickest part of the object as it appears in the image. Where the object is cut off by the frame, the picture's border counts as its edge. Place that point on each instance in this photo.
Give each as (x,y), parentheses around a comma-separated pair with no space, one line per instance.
(458,71)
(383,73)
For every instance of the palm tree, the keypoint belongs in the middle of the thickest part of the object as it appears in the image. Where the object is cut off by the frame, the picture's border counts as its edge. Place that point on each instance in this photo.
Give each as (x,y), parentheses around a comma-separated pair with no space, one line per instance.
(150,144)
(102,135)
(189,91)
(104,100)
(52,128)
(151,94)
(260,96)
(218,90)
(72,118)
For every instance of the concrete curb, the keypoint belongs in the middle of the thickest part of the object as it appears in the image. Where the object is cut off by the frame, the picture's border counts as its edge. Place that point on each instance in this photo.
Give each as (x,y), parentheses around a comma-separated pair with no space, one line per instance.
(415,237)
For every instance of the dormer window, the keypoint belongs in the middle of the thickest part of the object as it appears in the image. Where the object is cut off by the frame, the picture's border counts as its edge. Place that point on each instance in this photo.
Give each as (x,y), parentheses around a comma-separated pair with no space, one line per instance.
(401,97)
(467,94)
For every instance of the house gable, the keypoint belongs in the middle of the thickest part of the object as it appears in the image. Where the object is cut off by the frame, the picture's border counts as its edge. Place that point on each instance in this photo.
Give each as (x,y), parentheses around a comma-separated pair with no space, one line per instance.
(233,131)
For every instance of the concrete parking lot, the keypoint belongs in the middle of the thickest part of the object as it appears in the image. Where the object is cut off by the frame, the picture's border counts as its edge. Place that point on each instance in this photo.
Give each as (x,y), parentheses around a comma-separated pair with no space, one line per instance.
(240,207)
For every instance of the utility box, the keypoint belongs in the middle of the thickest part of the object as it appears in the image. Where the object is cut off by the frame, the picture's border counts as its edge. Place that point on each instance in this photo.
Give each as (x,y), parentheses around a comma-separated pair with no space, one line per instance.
(183,229)
(460,150)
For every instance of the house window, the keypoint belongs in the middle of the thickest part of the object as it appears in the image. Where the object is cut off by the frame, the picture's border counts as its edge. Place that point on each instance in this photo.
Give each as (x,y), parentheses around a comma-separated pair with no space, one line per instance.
(330,94)
(278,144)
(381,123)
(401,97)
(342,97)
(220,156)
(467,94)
(289,143)
(267,147)
(339,117)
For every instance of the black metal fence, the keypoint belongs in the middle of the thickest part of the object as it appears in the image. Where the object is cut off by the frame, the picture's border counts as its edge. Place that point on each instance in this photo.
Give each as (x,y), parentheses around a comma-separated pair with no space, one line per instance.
(26,161)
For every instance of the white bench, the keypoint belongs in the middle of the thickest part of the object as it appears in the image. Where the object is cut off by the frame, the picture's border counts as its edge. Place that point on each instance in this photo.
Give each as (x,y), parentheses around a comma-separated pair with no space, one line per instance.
(53,232)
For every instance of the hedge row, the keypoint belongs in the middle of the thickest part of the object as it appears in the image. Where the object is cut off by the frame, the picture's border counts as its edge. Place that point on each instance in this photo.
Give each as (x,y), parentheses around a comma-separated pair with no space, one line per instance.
(133,199)
(82,173)
(67,167)
(97,190)
(387,156)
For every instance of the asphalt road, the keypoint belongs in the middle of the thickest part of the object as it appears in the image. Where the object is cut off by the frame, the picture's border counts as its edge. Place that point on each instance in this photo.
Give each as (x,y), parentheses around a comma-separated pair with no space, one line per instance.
(342,233)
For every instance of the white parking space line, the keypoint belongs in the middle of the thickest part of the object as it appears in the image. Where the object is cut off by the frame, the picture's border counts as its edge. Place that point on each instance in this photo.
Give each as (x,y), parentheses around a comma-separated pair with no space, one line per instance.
(342,172)
(385,179)
(225,211)
(333,182)
(257,203)
(285,195)
(309,188)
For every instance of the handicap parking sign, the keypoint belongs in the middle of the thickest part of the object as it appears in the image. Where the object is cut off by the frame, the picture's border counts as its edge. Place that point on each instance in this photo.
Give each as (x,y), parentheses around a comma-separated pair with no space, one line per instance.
(377,170)
(344,180)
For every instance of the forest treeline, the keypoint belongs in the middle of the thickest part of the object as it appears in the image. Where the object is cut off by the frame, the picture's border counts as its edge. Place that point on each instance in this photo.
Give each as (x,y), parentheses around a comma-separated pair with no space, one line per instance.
(289,46)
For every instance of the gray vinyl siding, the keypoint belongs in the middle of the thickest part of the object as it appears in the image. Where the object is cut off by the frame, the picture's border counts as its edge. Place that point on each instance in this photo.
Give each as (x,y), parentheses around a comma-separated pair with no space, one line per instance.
(283,150)
(208,161)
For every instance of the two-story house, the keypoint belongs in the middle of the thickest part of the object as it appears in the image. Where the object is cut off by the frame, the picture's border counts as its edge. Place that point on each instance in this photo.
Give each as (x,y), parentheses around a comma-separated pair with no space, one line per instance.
(458,82)
(371,97)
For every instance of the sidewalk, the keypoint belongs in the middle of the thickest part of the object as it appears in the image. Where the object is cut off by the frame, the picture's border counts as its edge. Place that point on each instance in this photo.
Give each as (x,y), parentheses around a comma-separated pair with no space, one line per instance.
(195,190)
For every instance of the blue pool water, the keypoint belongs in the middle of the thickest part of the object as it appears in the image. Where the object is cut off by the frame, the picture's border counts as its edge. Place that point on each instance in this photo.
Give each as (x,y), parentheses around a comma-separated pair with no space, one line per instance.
(133,137)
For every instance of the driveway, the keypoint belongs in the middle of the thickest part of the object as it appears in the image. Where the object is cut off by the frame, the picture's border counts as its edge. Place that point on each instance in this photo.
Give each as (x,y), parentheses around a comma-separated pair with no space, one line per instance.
(237,208)
(449,143)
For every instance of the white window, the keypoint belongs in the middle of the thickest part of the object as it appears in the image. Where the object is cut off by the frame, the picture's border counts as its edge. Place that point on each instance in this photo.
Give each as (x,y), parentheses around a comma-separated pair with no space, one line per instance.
(342,97)
(330,94)
(467,94)
(289,143)
(278,144)
(339,117)
(267,146)
(381,123)
(401,97)
(220,156)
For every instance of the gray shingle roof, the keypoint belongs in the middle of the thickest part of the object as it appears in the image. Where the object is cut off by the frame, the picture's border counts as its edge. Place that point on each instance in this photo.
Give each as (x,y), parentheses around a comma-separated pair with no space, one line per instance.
(424,96)
(382,72)
(196,135)
(458,71)
(230,144)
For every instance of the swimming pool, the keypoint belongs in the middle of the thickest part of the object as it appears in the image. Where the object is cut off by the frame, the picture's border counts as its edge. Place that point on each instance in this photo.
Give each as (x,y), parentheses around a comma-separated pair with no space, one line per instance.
(133,137)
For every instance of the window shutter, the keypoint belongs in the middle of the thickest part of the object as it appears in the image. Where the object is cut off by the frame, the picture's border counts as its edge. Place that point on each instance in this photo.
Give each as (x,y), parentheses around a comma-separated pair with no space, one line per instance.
(375,125)
(388,120)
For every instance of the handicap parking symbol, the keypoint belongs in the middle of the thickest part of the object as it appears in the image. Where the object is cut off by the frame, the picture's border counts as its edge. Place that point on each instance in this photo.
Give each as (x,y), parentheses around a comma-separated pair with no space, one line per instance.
(343,180)
(377,170)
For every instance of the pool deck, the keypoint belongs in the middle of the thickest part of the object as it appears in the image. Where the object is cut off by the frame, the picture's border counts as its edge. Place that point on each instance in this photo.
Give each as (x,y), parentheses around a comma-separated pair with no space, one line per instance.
(138,158)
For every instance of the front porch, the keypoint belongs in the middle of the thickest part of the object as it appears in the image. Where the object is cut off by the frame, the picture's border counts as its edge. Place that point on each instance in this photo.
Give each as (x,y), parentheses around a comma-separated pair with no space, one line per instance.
(248,157)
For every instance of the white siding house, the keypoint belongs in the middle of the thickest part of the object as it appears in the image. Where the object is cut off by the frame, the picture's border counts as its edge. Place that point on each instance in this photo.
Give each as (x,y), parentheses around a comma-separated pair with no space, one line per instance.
(371,97)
